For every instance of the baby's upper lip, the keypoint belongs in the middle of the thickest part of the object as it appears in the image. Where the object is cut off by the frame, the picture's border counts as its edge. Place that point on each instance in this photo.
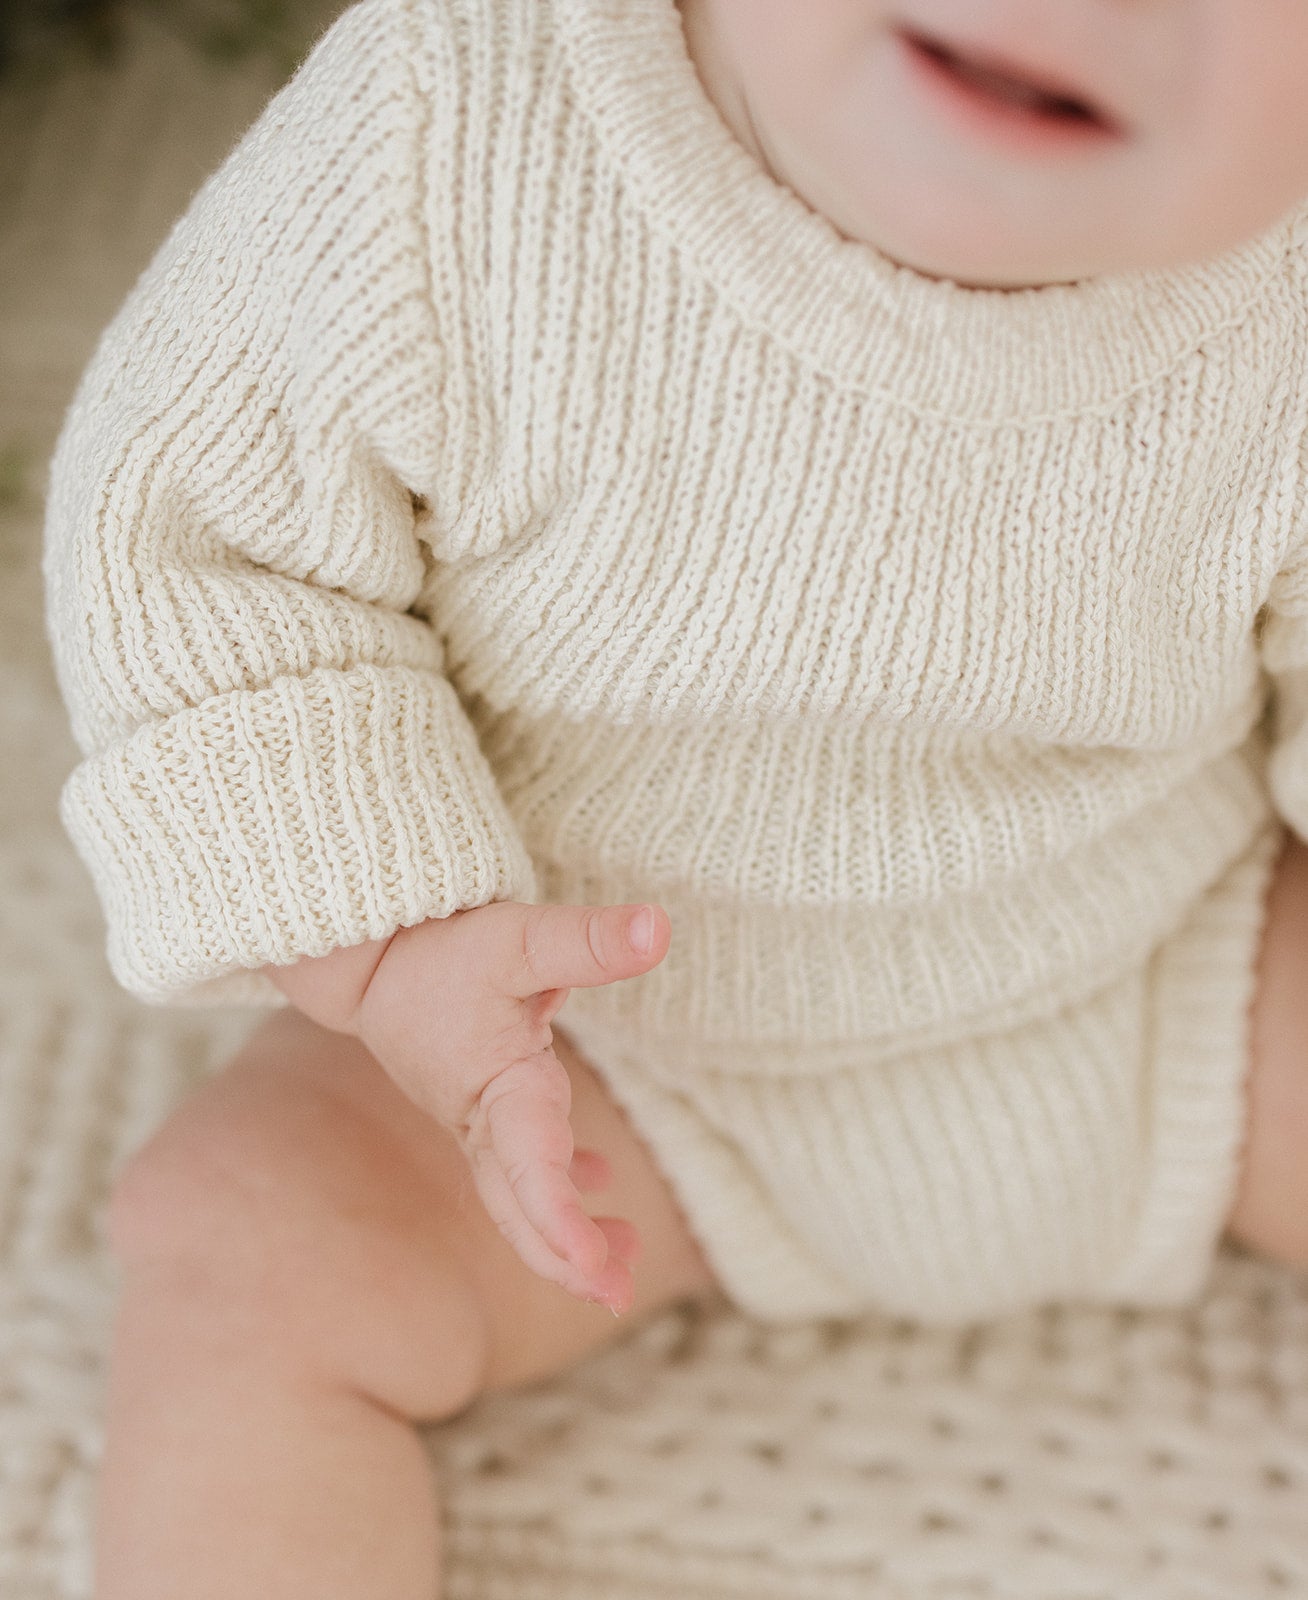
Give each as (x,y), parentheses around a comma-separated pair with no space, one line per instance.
(1041,76)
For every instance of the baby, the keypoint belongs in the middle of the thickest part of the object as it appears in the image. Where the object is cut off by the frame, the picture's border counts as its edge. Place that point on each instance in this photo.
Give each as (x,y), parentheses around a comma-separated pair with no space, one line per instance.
(800,503)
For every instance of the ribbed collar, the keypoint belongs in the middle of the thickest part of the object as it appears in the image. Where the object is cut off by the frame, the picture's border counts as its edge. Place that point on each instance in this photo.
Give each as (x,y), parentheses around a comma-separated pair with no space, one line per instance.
(842,307)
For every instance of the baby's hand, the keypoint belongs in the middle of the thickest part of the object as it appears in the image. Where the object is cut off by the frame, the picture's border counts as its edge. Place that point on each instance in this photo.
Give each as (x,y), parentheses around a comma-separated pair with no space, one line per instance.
(458,1012)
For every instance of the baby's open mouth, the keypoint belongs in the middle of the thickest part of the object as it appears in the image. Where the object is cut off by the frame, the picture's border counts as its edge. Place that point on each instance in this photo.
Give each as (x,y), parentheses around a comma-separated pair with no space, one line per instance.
(1007,89)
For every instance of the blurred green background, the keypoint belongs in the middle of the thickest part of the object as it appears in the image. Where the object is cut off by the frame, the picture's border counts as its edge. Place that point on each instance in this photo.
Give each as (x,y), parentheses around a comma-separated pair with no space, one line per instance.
(36,35)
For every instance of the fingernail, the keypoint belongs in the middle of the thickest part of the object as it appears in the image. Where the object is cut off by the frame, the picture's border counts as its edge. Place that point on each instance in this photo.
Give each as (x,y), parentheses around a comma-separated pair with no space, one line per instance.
(640,930)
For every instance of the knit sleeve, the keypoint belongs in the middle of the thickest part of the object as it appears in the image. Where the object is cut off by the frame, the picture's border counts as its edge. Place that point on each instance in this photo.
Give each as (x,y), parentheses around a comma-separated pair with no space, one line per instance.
(273,763)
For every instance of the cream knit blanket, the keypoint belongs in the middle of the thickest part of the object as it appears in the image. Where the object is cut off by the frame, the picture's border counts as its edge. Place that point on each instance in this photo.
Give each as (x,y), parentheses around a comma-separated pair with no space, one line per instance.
(1065,1456)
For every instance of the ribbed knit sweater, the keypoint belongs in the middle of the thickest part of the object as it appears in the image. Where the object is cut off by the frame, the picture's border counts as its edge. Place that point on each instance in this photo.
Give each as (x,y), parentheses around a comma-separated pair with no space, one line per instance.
(498,486)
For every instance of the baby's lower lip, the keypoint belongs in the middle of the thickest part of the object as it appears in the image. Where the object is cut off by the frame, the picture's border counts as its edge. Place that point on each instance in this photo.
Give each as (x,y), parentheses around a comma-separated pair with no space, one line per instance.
(1028,129)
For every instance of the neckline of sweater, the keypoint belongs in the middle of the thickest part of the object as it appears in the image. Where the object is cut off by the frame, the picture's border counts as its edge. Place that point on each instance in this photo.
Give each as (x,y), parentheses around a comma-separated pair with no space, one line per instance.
(964,354)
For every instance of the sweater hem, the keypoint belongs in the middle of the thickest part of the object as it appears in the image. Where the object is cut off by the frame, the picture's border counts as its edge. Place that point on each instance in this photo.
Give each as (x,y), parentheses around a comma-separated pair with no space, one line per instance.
(1170,1037)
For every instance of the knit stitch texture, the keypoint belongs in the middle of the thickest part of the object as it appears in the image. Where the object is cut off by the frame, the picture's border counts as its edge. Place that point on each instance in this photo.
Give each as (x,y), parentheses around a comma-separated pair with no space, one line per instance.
(497,486)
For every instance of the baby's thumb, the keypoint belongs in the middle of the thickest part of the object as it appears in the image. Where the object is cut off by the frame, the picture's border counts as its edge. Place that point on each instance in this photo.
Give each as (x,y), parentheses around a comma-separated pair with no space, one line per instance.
(570,947)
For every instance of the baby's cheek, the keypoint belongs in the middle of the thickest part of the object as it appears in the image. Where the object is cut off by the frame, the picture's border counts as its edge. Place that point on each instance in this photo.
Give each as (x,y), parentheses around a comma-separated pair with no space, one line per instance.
(1242,134)
(1270,1214)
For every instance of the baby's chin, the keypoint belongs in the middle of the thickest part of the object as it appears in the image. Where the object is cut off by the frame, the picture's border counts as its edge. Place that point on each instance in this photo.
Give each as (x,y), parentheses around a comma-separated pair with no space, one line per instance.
(970,270)
(985,230)
(985,259)
(984,256)
(959,238)
(966,266)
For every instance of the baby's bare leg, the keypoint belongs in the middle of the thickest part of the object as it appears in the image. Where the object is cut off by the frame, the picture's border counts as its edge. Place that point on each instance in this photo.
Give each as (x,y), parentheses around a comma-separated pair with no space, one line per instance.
(307,1271)
(1270,1214)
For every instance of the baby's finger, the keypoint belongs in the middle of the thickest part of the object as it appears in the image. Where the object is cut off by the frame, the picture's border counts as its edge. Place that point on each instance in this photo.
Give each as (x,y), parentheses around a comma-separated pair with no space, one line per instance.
(505,1212)
(537,1173)
(623,1239)
(611,1286)
(615,1287)
(526,949)
(590,1171)
(523,1114)
(543,1007)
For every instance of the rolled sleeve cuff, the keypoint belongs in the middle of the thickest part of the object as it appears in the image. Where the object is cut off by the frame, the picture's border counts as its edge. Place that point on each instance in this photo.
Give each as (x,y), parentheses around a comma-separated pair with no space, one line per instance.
(310,814)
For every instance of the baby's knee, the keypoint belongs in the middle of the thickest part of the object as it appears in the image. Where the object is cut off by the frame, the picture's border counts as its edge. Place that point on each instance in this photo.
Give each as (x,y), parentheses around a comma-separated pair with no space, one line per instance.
(203,1202)
(267,1214)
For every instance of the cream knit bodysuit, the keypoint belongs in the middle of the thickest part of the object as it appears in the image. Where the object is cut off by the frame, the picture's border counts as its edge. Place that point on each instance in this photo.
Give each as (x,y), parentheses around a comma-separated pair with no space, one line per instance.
(499,487)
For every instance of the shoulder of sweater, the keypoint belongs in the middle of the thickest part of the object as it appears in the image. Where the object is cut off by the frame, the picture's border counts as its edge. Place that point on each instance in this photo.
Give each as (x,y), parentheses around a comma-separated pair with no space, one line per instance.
(357,76)
(311,229)
(435,57)
(325,198)
(493,25)
(394,62)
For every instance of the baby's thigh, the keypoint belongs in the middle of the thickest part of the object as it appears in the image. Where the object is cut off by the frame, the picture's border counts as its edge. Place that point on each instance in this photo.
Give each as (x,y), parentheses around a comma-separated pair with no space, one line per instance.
(309,1204)
(1270,1214)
